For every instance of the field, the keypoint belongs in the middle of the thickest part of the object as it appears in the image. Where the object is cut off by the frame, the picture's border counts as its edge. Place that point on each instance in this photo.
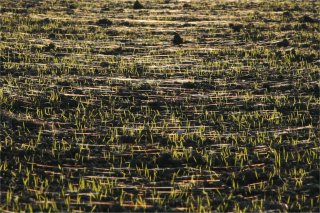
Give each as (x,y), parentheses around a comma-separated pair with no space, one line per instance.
(101,111)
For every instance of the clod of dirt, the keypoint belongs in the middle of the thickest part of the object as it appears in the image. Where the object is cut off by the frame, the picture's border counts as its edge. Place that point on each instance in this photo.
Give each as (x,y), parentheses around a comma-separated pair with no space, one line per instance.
(52,36)
(156,105)
(277,180)
(44,21)
(287,14)
(308,19)
(50,47)
(251,176)
(126,24)
(70,11)
(197,85)
(189,85)
(315,173)
(302,26)
(186,6)
(286,27)
(104,22)
(236,27)
(15,121)
(144,86)
(316,92)
(127,139)
(68,102)
(312,189)
(104,64)
(137,5)
(73,5)
(166,160)
(283,43)
(191,143)
(64,83)
(177,40)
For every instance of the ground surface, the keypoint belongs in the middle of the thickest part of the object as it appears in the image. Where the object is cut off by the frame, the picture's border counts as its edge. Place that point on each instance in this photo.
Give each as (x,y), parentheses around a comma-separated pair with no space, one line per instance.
(100,111)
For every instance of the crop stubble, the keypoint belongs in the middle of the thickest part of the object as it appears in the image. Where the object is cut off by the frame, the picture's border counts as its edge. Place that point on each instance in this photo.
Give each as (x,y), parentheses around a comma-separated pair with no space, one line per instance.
(100,111)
